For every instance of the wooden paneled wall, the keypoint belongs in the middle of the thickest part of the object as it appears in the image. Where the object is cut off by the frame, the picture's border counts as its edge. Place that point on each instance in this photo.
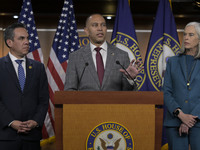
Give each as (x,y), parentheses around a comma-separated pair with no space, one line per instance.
(46,38)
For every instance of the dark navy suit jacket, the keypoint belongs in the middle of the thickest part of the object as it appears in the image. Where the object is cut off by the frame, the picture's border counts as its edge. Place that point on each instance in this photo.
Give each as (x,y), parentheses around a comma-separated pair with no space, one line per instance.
(31,104)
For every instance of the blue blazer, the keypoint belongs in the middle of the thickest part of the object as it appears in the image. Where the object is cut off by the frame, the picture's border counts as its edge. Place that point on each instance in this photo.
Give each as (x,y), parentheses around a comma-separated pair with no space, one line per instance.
(176,93)
(31,104)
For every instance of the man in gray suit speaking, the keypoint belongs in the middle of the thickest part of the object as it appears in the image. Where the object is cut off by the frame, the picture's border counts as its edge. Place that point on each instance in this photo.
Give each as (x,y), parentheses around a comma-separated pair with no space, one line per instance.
(99,66)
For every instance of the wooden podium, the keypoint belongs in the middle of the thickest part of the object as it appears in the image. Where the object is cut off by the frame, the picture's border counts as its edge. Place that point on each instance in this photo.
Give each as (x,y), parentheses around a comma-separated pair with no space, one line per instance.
(76,103)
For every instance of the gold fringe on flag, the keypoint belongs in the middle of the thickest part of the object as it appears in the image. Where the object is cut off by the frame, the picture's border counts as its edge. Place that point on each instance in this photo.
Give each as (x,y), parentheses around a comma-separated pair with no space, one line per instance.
(47,141)
(164,147)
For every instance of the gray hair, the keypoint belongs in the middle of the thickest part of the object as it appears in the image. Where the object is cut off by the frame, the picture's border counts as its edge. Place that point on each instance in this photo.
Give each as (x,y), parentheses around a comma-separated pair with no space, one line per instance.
(197,28)
(9,32)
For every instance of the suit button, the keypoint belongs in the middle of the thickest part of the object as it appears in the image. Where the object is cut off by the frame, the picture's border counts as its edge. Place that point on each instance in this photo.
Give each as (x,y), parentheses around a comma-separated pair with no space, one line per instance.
(186,101)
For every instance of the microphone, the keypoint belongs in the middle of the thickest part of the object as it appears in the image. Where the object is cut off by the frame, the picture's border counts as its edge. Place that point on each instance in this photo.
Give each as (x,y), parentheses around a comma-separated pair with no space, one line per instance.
(117,62)
(86,64)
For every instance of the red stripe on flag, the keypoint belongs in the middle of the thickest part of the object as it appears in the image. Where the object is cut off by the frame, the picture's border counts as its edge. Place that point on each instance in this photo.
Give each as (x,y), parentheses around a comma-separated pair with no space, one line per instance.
(36,55)
(49,110)
(51,94)
(51,118)
(55,75)
(44,132)
(64,66)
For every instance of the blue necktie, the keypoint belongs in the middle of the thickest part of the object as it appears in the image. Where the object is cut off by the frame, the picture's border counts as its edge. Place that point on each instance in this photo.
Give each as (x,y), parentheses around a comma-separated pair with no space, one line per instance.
(21,74)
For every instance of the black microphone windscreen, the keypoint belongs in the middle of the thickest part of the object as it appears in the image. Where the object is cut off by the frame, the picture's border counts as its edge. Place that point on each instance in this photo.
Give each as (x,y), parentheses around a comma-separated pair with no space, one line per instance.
(117,62)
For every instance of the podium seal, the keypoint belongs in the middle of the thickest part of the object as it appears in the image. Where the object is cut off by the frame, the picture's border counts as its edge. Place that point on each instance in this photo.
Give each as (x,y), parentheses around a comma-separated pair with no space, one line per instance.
(109,136)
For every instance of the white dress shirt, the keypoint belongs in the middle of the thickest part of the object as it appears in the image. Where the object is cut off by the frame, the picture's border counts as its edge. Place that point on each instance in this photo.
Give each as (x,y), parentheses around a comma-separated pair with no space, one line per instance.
(15,64)
(103,52)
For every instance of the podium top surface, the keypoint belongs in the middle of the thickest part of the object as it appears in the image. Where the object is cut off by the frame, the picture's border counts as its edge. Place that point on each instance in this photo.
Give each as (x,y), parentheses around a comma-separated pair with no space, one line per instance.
(108,97)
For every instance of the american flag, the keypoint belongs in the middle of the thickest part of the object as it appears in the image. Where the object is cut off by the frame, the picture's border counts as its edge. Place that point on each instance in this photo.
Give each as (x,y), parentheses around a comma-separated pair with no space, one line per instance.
(65,42)
(27,18)
(35,52)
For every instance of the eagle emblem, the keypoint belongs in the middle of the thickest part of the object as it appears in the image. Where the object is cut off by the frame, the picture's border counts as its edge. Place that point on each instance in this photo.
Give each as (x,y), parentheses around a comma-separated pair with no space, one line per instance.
(109,136)
(111,147)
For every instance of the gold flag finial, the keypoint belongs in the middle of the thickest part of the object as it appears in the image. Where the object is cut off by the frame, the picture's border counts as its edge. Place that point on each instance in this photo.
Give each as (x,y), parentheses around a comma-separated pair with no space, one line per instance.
(170,2)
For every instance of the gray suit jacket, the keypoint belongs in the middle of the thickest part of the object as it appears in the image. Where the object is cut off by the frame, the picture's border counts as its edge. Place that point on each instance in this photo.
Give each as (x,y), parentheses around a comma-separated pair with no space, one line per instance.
(80,76)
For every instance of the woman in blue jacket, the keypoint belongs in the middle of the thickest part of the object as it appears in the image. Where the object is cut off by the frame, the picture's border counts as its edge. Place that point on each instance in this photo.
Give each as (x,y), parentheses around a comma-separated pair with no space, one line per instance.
(182,93)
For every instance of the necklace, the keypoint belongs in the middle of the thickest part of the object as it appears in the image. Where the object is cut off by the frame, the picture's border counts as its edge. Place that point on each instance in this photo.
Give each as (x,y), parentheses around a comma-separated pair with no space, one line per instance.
(188,75)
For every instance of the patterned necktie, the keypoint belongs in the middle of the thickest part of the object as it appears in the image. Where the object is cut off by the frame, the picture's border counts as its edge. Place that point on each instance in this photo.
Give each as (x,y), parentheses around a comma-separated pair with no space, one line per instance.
(100,66)
(21,74)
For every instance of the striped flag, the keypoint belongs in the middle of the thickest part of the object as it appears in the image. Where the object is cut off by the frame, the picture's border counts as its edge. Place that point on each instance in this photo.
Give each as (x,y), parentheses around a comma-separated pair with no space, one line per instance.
(65,42)
(27,18)
(35,52)
(124,36)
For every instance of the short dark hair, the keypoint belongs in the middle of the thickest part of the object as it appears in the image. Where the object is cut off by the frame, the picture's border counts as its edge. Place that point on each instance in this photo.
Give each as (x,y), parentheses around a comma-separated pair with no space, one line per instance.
(9,34)
(88,18)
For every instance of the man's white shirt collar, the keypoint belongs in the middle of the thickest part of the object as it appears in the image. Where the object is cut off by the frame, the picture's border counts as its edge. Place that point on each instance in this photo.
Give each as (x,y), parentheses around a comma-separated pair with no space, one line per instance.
(104,46)
(13,58)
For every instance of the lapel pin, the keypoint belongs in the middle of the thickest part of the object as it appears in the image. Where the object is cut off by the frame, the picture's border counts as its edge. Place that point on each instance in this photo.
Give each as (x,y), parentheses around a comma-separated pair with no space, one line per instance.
(112,54)
(30,67)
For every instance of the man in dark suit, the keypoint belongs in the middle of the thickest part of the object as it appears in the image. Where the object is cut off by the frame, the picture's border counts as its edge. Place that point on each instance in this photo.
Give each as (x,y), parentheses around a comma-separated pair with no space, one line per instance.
(83,66)
(23,106)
